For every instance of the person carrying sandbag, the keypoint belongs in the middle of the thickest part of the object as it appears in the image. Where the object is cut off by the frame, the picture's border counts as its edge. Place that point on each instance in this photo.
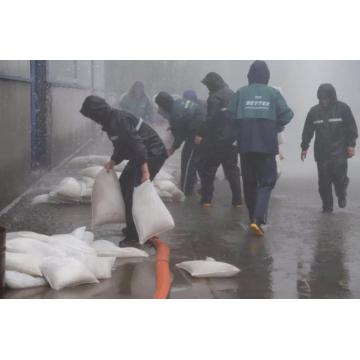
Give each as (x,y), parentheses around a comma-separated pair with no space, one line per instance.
(133,140)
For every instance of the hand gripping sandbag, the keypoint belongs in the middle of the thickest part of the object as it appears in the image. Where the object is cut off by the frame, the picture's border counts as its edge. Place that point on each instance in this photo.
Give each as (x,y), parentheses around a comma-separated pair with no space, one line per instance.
(108,205)
(151,217)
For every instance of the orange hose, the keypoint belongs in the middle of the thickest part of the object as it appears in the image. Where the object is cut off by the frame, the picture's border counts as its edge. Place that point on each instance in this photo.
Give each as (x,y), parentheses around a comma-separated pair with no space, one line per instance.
(161,269)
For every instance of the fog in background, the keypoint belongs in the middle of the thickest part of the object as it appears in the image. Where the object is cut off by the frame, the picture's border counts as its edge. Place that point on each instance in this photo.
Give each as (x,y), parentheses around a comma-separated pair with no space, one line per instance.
(298,80)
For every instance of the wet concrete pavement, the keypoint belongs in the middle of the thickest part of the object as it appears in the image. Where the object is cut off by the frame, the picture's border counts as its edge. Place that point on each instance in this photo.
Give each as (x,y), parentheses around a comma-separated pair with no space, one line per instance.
(305,254)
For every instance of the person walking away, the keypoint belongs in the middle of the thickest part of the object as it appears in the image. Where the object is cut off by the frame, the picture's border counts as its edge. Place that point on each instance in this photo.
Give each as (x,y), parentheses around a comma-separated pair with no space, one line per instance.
(261,112)
(336,132)
(217,137)
(185,117)
(136,102)
(133,140)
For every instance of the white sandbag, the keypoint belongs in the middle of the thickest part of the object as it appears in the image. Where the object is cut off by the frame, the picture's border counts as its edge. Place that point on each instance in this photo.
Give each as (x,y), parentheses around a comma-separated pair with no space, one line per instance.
(281,138)
(108,205)
(107,248)
(71,245)
(89,160)
(166,186)
(101,267)
(83,235)
(91,172)
(79,232)
(208,268)
(32,246)
(41,199)
(66,272)
(69,187)
(89,182)
(27,234)
(24,263)
(164,175)
(278,165)
(88,237)
(165,196)
(151,217)
(167,138)
(17,280)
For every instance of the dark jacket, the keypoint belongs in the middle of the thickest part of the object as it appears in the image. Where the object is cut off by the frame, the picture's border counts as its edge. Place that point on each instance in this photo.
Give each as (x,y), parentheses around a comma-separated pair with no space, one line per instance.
(218,129)
(185,117)
(138,105)
(334,127)
(130,143)
(261,112)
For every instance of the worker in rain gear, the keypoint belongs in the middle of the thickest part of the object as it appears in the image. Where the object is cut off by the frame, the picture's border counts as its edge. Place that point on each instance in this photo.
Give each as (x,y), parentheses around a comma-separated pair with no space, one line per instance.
(136,102)
(261,113)
(217,136)
(336,132)
(192,96)
(133,140)
(185,117)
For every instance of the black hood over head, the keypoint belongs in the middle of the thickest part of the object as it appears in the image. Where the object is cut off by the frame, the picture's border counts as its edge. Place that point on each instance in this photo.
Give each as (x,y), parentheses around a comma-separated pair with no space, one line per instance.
(96,109)
(259,73)
(165,101)
(214,82)
(328,91)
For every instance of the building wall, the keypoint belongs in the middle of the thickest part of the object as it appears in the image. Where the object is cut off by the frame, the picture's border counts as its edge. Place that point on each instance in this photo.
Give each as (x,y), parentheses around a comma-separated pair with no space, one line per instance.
(68,83)
(15,129)
(69,128)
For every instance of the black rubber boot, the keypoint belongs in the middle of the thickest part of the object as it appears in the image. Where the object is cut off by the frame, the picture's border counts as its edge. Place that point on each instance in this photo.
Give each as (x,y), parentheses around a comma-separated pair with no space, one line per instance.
(130,241)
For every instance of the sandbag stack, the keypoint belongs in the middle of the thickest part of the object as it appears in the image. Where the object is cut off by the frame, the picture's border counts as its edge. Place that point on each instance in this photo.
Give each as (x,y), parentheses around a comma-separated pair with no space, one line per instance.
(61,260)
(78,191)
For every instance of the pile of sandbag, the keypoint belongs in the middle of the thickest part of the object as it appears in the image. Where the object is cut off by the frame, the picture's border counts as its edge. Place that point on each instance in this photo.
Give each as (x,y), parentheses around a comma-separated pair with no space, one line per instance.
(60,261)
(78,191)
(69,191)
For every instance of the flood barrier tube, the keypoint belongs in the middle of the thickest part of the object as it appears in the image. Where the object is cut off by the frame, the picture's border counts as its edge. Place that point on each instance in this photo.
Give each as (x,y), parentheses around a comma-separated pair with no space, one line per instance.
(162,272)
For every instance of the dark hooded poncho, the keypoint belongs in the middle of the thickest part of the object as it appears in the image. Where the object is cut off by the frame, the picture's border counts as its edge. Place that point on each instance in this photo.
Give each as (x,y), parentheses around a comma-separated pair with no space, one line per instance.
(216,130)
(129,143)
(334,127)
(259,73)
(261,112)
(327,91)
(184,116)
(165,101)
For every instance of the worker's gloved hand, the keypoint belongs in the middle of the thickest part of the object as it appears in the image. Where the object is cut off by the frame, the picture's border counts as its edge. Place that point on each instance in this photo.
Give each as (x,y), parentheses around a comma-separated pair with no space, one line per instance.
(198,140)
(350,152)
(109,165)
(303,155)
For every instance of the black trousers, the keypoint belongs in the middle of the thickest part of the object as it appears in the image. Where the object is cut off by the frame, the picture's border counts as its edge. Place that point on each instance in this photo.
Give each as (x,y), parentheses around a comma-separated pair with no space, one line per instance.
(332,172)
(209,163)
(131,177)
(259,178)
(189,164)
